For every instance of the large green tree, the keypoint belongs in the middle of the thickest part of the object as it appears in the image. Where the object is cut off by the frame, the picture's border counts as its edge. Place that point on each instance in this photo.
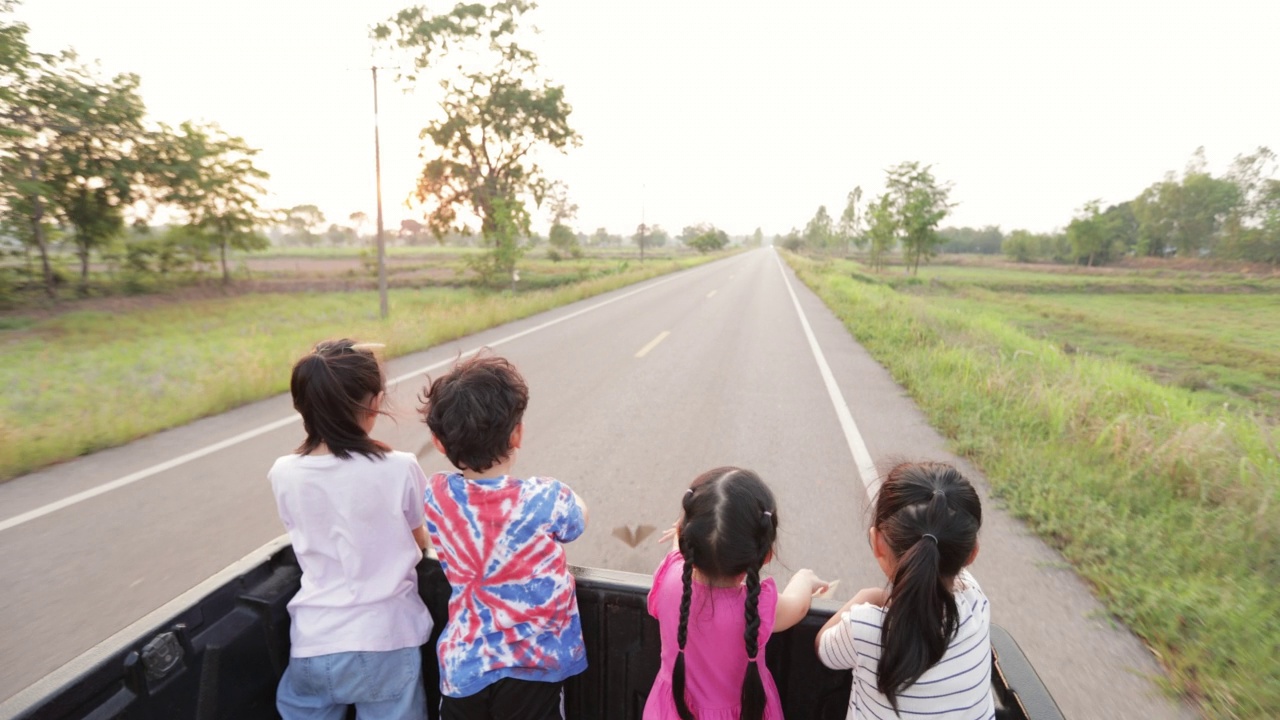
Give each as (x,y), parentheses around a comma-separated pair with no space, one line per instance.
(496,113)
(1183,215)
(919,204)
(882,230)
(849,229)
(69,151)
(1251,230)
(819,234)
(210,177)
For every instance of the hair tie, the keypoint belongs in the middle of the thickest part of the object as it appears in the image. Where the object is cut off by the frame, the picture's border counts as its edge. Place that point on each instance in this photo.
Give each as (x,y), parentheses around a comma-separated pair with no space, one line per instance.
(931,536)
(768,514)
(689,491)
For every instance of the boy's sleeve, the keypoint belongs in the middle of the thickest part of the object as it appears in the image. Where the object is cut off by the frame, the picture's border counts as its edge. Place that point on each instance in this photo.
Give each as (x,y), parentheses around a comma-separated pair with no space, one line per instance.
(567,522)
(415,490)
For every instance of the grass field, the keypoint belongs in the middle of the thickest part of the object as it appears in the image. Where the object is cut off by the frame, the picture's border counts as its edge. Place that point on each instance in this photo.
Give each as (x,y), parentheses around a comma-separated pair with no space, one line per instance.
(86,380)
(1164,498)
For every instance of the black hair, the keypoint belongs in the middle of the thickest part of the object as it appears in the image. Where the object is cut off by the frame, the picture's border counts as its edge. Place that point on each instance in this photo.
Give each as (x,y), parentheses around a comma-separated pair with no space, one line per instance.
(929,515)
(473,410)
(334,388)
(729,526)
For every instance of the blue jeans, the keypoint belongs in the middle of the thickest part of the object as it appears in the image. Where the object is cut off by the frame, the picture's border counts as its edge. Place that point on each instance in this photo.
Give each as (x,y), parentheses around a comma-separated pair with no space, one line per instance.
(382,686)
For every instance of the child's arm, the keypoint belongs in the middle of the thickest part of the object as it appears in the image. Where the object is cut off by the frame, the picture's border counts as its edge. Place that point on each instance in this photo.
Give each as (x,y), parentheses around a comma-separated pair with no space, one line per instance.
(794,601)
(586,515)
(869,596)
(420,534)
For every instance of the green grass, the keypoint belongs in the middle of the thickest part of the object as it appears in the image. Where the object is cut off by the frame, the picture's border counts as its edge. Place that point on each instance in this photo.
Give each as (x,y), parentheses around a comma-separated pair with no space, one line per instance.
(1168,505)
(84,381)
(1072,279)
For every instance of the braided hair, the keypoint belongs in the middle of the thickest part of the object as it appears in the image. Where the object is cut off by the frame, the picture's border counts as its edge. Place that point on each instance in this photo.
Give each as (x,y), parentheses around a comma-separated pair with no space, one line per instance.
(928,515)
(728,530)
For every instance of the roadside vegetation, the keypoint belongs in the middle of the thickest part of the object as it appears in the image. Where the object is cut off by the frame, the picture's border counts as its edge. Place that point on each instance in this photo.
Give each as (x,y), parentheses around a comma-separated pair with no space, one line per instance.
(86,380)
(1134,431)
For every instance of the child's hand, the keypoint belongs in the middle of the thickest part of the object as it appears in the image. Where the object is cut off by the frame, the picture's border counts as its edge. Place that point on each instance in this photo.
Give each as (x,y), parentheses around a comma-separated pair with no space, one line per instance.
(671,534)
(877,596)
(807,579)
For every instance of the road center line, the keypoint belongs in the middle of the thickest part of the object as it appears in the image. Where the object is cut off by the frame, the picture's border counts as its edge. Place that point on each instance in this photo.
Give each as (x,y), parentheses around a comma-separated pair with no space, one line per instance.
(134,477)
(711,294)
(861,457)
(653,343)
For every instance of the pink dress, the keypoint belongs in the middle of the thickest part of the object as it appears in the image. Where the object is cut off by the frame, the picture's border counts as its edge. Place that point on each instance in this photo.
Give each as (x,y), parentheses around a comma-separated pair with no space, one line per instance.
(715,654)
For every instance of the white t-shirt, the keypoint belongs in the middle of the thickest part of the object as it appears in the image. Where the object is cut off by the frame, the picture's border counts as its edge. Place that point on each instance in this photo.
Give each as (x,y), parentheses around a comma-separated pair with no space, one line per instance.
(351,522)
(957,687)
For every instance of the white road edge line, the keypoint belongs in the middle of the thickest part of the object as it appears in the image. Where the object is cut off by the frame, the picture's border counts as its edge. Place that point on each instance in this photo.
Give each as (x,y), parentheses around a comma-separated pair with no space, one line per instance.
(134,477)
(861,457)
(653,343)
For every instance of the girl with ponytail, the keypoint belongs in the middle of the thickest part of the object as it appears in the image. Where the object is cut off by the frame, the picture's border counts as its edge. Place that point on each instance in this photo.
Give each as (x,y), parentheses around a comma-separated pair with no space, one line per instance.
(922,648)
(715,613)
(353,508)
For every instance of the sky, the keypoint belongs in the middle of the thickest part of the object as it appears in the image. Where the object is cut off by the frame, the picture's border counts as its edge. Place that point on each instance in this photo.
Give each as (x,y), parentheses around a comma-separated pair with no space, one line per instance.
(743,114)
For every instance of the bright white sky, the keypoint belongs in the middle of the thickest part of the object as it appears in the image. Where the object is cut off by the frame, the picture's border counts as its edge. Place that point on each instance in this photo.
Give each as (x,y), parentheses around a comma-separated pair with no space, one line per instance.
(740,113)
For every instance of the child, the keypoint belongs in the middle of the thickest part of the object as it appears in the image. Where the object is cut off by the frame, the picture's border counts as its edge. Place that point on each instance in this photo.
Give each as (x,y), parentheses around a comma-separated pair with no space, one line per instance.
(714,612)
(513,634)
(353,510)
(923,647)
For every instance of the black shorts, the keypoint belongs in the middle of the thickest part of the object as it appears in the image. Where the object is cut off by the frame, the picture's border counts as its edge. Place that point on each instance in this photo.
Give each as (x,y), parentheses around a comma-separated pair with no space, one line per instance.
(508,699)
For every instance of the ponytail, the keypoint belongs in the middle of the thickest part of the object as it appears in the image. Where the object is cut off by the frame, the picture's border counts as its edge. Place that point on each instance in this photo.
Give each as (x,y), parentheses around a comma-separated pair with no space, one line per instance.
(929,516)
(682,635)
(912,638)
(752,687)
(330,388)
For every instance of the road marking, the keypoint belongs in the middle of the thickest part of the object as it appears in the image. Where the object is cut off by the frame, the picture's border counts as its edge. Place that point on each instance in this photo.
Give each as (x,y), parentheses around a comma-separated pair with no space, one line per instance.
(653,343)
(861,457)
(711,294)
(131,478)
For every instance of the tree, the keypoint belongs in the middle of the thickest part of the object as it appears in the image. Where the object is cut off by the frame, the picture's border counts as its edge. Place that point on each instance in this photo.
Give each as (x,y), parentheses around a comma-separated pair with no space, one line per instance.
(818,233)
(849,230)
(210,177)
(757,238)
(709,240)
(304,221)
(1018,246)
(1090,235)
(563,240)
(1183,216)
(919,204)
(68,149)
(494,116)
(882,230)
(1251,231)
(359,221)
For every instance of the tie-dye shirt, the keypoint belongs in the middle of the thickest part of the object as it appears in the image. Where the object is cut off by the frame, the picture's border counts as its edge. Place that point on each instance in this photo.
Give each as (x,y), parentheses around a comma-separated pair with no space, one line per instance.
(513,612)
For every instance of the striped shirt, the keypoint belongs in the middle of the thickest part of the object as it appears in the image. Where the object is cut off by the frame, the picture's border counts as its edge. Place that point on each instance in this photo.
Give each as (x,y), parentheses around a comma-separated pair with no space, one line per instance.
(957,687)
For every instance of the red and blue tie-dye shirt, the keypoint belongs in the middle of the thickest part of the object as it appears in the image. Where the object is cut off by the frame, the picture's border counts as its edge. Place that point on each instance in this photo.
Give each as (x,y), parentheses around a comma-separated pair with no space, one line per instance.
(513,612)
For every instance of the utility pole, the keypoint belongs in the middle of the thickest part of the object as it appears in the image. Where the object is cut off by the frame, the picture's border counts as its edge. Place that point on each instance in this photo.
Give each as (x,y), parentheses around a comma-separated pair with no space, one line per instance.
(377,163)
(643,228)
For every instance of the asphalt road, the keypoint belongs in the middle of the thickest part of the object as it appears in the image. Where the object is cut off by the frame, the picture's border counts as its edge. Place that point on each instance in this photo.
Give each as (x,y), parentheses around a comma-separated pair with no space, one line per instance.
(632,395)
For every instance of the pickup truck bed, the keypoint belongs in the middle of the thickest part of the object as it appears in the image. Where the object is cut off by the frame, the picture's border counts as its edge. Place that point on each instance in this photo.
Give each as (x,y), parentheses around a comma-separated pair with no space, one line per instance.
(217,652)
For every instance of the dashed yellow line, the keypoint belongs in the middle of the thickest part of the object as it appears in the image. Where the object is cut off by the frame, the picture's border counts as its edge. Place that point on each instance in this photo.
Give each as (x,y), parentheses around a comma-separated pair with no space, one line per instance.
(653,343)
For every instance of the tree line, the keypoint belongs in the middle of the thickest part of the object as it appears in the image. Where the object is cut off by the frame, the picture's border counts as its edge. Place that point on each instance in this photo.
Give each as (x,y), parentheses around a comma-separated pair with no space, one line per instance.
(80,163)
(905,215)
(1235,216)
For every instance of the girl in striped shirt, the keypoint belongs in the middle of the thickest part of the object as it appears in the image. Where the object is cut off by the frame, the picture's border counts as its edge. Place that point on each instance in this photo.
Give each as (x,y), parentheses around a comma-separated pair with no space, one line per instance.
(922,648)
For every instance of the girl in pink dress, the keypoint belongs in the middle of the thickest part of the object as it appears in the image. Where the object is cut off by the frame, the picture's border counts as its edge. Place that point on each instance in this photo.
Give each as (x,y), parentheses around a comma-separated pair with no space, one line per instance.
(714,611)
